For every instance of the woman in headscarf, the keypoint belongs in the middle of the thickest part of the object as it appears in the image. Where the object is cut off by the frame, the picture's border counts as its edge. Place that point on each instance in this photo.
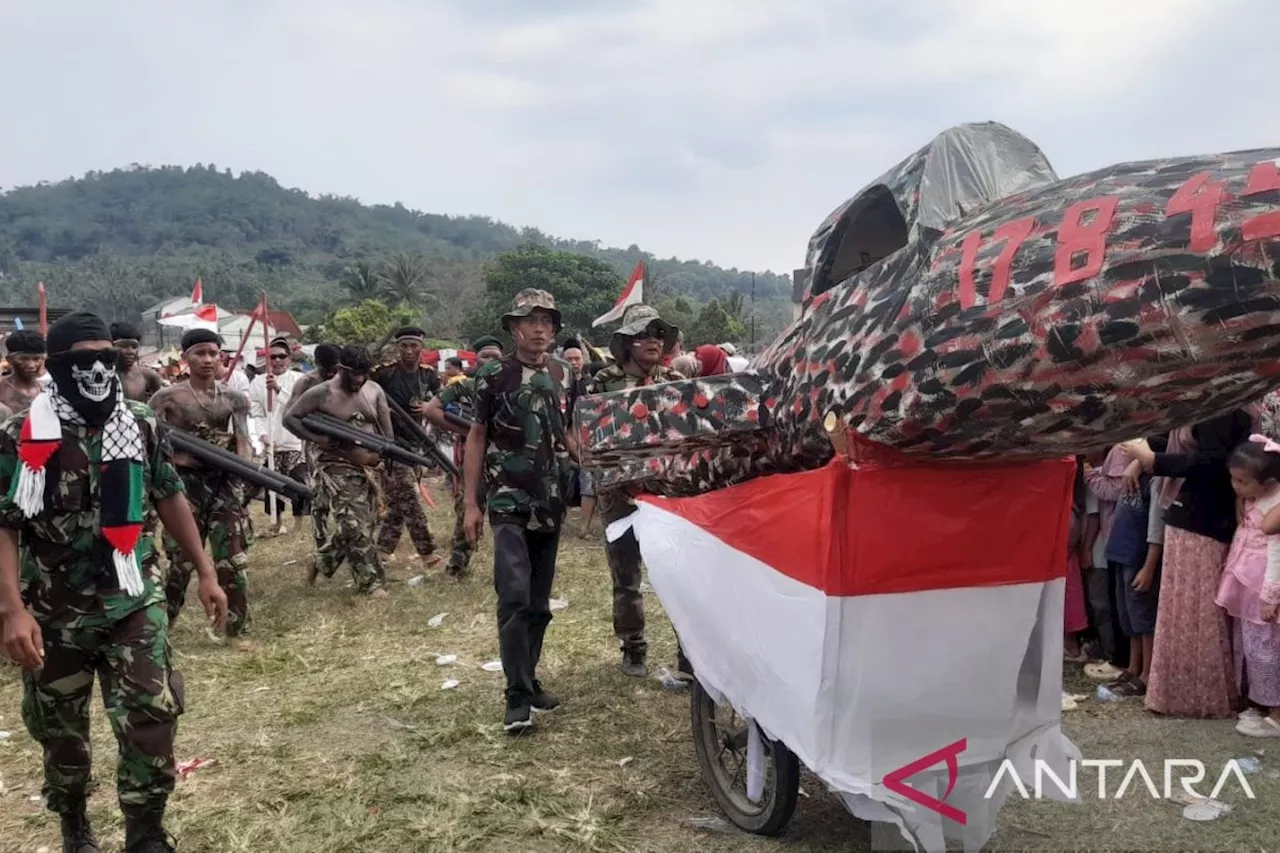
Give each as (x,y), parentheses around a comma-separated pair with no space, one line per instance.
(712,360)
(1192,672)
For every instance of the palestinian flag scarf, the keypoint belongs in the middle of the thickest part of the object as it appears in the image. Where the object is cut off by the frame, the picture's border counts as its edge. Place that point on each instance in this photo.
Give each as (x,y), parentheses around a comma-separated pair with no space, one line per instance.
(119,485)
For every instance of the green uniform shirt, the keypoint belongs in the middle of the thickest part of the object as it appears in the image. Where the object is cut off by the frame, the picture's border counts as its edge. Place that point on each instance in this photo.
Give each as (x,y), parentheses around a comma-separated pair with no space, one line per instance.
(66,571)
(526,464)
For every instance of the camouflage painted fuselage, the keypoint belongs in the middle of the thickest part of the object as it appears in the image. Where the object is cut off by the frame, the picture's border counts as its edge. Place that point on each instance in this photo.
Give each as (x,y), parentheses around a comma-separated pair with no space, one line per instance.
(1069,316)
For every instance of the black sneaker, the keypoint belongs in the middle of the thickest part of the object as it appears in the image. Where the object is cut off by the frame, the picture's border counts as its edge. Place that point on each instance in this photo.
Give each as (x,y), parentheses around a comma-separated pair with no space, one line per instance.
(519,715)
(542,701)
(633,664)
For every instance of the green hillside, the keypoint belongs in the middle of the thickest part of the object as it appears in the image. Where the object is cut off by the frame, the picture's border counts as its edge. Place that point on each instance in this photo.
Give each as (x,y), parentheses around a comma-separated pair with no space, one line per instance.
(117,242)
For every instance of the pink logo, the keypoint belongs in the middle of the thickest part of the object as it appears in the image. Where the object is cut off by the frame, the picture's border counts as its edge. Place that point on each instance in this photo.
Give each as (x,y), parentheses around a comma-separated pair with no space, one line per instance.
(896,780)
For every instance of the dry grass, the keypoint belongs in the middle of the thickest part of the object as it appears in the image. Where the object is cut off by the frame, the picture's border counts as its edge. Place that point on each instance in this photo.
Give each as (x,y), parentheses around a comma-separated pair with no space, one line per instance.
(335,736)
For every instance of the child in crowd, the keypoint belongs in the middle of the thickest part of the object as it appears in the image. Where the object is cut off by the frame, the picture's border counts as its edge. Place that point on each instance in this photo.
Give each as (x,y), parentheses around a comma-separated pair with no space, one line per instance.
(1250,587)
(1075,616)
(1133,560)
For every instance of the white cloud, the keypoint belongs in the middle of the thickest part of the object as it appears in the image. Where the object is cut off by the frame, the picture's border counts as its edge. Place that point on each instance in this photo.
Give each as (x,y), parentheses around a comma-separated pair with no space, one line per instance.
(720,129)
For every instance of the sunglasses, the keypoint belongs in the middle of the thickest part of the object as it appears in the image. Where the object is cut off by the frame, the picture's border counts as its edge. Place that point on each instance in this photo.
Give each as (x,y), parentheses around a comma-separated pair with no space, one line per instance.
(278,357)
(655,333)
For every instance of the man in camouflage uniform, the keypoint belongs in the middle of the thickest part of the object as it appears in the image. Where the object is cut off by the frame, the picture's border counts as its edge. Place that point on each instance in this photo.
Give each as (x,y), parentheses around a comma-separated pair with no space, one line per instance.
(458,398)
(326,368)
(345,488)
(204,407)
(638,347)
(411,385)
(518,467)
(90,598)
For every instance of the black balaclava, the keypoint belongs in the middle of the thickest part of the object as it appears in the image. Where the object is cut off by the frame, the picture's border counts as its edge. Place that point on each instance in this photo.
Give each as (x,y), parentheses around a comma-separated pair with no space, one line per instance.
(86,378)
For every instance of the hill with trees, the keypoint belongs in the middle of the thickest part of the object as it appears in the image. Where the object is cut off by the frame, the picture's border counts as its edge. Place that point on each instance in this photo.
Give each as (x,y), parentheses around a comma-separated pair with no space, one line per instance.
(118,242)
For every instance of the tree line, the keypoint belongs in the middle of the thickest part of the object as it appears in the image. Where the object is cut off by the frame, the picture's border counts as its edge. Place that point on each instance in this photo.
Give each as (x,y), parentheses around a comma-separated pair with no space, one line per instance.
(118,242)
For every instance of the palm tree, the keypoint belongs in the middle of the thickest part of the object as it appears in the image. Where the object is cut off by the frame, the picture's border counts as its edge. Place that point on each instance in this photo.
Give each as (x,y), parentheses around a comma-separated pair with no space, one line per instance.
(362,281)
(404,280)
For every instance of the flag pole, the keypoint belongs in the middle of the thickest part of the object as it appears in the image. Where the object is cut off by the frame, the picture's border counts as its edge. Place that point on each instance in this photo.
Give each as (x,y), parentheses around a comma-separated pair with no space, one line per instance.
(753,313)
(44,309)
(271,442)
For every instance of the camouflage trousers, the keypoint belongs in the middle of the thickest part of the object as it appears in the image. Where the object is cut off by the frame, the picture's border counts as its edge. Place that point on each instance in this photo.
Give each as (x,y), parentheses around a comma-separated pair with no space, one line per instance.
(143,696)
(403,509)
(460,549)
(218,504)
(623,556)
(346,496)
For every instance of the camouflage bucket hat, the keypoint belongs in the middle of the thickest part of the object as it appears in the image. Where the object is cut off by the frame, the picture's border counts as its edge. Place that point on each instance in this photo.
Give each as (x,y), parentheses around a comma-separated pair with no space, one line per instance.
(637,319)
(529,300)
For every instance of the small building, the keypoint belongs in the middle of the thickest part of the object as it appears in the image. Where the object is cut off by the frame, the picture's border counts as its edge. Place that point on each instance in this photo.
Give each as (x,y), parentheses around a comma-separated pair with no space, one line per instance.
(29,317)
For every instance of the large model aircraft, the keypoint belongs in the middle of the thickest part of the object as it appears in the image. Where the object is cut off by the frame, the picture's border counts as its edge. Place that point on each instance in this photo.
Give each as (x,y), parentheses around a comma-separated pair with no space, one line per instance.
(969,304)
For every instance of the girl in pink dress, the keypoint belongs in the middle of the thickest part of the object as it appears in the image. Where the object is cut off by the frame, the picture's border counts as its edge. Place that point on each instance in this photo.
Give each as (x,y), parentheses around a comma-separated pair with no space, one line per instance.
(1250,587)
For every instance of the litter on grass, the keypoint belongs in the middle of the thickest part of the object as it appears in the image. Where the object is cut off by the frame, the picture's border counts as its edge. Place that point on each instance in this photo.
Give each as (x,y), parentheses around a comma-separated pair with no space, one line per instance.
(437,620)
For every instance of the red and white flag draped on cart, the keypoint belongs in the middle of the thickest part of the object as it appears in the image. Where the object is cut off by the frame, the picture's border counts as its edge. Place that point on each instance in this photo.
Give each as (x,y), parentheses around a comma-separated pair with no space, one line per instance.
(869,617)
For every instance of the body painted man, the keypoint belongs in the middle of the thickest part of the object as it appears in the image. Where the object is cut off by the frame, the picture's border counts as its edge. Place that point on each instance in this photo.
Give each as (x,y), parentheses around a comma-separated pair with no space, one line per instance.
(80,588)
(207,409)
(346,490)
(26,353)
(140,383)
(326,356)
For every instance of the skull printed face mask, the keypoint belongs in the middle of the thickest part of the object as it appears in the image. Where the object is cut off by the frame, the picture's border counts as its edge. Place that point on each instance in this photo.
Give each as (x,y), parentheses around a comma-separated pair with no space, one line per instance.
(87,379)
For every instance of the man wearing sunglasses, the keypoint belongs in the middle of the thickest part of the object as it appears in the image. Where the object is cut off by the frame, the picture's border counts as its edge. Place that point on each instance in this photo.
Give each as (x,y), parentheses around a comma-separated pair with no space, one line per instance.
(638,349)
(279,382)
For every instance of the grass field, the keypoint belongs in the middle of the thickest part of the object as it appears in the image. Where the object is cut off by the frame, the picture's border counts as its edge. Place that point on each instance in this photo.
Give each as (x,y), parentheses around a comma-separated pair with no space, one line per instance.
(335,735)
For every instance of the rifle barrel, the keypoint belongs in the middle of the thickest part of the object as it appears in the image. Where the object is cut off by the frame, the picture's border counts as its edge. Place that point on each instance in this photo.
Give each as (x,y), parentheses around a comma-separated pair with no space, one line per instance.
(225,460)
(419,436)
(328,425)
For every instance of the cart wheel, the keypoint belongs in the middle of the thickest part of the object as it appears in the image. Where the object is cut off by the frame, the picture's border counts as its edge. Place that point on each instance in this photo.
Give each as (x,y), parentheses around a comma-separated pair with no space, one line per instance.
(720,737)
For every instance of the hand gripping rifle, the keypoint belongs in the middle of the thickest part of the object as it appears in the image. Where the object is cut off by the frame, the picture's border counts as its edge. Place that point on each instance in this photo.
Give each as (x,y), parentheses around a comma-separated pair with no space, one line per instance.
(343,432)
(229,463)
(408,426)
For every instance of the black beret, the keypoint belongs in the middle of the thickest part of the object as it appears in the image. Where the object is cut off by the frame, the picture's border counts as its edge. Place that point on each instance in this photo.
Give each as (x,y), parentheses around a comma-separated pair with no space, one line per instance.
(75,328)
(24,342)
(125,331)
(191,337)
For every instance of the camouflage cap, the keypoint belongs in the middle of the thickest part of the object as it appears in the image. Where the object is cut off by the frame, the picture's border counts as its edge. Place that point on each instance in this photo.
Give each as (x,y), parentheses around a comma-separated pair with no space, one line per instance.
(529,300)
(636,320)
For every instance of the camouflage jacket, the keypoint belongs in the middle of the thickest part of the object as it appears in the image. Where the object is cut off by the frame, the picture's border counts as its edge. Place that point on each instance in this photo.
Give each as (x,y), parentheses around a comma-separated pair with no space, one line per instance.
(616,503)
(526,466)
(65,565)
(461,396)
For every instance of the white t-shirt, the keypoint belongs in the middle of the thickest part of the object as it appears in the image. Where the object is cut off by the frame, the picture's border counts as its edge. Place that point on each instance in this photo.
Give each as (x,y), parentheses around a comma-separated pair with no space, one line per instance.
(280,437)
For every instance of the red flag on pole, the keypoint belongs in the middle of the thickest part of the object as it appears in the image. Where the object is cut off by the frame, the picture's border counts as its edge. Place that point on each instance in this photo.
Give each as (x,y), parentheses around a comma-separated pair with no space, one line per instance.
(197,293)
(44,309)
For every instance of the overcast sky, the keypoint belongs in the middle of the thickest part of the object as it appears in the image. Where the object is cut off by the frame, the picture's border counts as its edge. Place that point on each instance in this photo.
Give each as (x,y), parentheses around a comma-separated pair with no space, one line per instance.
(722,130)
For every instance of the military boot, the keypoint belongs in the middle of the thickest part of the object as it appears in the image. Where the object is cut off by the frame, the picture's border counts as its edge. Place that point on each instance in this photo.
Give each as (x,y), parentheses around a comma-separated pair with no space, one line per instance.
(77,835)
(144,833)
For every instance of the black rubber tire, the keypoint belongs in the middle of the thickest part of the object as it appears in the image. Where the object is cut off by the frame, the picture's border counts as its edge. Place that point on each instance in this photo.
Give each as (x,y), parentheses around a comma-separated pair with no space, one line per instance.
(775,813)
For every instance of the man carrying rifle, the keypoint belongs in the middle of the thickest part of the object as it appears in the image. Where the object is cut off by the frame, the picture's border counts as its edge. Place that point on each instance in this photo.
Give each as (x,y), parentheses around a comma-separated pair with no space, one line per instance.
(411,385)
(458,398)
(326,368)
(345,490)
(207,409)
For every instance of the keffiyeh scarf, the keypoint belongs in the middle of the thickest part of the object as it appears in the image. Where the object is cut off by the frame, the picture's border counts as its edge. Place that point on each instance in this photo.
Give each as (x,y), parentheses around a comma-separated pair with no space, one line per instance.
(120,485)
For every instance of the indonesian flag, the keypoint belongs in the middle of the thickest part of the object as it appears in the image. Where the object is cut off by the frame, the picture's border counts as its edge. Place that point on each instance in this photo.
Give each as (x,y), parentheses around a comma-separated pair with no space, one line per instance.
(197,293)
(871,619)
(203,317)
(632,294)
